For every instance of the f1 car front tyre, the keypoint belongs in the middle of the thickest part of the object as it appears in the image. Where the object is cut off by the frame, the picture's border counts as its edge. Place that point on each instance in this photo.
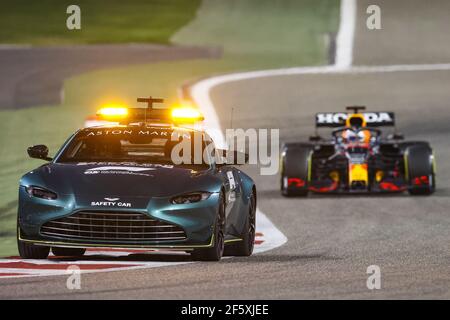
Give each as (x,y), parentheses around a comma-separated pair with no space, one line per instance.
(295,164)
(68,252)
(419,163)
(31,251)
(215,252)
(244,247)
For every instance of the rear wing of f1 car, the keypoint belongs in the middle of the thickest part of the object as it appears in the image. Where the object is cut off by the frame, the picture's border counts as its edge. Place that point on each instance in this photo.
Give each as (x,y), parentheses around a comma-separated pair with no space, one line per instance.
(337,119)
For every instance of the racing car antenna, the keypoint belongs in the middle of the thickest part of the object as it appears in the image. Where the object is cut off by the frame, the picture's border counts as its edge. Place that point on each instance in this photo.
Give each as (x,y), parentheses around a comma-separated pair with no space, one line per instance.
(150,101)
(355,109)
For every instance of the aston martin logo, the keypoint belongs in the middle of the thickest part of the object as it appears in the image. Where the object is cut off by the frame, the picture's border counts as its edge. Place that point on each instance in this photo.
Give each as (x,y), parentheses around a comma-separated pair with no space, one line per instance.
(111,199)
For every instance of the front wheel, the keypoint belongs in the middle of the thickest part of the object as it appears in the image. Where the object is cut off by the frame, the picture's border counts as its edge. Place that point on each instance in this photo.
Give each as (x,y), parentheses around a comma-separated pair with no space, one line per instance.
(31,251)
(244,247)
(295,169)
(419,163)
(215,252)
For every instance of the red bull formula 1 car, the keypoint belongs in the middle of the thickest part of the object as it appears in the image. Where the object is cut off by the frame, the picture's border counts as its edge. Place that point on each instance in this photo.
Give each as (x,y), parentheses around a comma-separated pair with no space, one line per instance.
(359,158)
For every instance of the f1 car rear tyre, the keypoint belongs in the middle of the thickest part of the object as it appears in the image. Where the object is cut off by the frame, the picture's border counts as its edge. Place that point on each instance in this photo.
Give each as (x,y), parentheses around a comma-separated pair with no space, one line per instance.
(68,252)
(31,251)
(215,252)
(419,163)
(244,247)
(294,170)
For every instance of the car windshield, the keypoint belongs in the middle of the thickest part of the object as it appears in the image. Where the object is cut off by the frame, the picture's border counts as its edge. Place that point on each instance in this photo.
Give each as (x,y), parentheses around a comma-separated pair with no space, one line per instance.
(142,145)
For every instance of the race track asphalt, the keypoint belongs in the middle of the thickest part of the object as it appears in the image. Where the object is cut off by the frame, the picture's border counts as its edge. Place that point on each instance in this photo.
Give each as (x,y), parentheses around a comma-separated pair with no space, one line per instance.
(33,76)
(331,240)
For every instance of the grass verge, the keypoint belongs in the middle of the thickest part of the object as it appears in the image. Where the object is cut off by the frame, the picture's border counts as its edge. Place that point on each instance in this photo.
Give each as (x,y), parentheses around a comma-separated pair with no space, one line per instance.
(43,22)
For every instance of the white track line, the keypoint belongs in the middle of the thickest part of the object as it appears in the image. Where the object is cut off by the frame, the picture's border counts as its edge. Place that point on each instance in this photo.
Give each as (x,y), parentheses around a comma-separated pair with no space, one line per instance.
(25,273)
(344,39)
(273,237)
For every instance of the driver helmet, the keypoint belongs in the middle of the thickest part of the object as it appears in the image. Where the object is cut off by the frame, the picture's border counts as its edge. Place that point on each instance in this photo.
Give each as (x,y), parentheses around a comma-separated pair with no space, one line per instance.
(356,121)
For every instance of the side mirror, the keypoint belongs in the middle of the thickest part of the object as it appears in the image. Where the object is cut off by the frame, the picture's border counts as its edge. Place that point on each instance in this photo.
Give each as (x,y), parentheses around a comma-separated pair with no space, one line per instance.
(227,157)
(39,151)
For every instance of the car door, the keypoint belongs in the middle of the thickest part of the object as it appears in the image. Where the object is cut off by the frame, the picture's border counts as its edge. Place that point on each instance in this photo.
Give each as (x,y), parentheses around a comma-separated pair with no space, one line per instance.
(230,186)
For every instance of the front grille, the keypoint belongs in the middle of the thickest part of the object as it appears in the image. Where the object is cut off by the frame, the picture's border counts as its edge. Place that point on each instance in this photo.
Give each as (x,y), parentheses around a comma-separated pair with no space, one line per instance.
(112,226)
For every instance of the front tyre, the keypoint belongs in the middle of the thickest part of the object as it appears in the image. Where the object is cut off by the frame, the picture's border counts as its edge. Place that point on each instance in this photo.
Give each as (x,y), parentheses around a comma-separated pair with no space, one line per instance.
(244,248)
(295,168)
(215,252)
(31,251)
(419,163)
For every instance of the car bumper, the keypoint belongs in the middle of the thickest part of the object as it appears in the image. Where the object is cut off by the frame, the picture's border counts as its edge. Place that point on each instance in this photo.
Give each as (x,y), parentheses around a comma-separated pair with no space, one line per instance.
(196,220)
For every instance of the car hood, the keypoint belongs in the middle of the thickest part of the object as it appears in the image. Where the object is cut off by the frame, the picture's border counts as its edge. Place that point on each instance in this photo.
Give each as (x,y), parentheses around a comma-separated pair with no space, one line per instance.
(119,179)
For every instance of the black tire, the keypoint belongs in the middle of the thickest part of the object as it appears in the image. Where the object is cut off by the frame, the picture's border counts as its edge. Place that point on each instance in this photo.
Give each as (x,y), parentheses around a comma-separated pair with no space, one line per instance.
(31,251)
(419,163)
(215,252)
(295,164)
(244,248)
(68,252)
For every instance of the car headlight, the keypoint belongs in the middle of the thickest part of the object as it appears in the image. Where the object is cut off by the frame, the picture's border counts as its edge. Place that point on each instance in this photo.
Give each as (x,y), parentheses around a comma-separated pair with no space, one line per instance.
(42,193)
(190,197)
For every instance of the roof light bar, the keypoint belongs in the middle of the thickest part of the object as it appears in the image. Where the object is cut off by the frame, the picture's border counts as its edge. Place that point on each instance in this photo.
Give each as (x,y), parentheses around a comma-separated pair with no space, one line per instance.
(186,114)
(176,115)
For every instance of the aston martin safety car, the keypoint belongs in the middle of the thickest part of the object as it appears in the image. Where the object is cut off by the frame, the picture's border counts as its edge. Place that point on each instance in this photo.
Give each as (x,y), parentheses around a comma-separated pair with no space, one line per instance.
(118,185)
(358,158)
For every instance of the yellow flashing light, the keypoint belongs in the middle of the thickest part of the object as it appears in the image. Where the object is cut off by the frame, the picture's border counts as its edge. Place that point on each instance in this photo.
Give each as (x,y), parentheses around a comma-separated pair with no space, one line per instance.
(186,114)
(113,111)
